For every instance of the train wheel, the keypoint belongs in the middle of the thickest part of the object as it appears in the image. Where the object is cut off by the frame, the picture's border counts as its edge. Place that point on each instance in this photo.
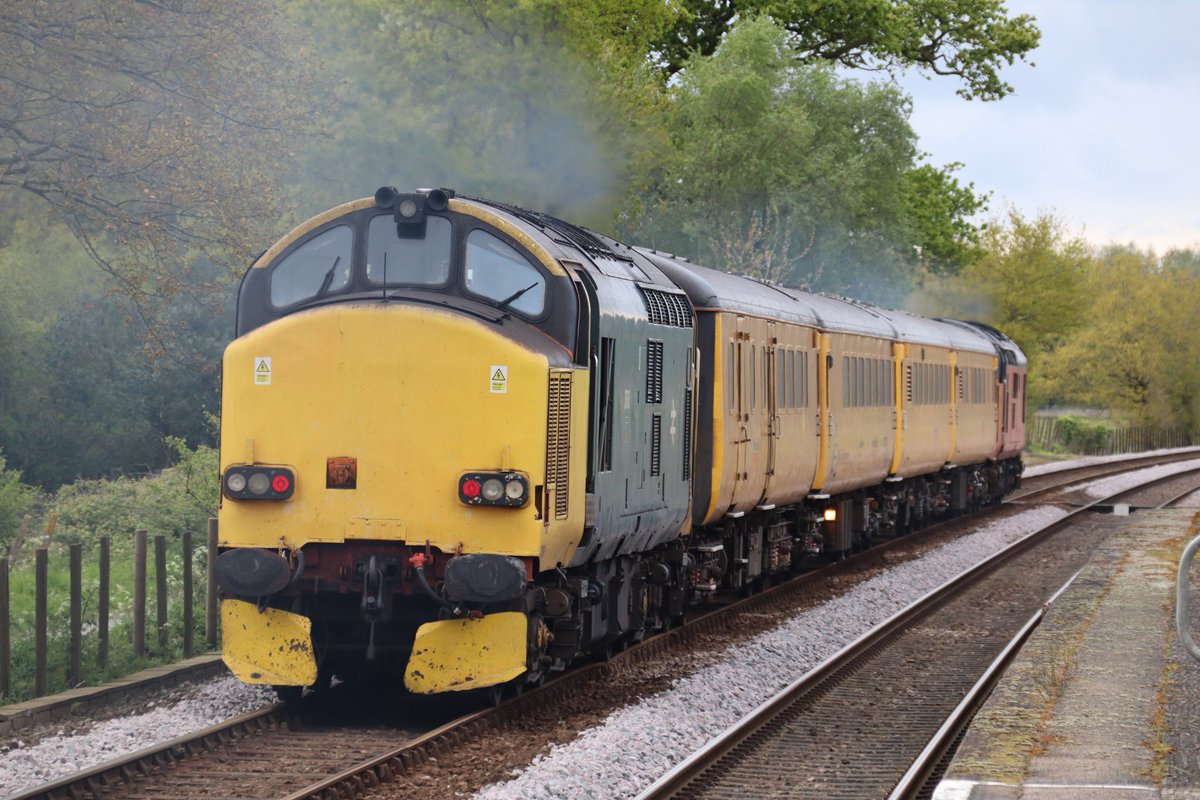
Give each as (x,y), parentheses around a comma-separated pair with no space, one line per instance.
(289,694)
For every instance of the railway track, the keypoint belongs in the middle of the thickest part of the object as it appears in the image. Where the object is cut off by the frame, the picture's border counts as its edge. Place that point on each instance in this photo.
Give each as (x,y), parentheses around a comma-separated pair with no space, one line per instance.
(878,718)
(274,753)
(1050,486)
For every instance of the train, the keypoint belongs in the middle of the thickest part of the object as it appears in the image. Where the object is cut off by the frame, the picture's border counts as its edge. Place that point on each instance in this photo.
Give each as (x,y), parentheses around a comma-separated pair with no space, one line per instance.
(464,444)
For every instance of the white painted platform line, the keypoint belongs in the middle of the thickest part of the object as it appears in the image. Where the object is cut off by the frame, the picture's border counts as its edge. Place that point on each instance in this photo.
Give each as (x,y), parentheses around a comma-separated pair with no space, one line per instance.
(961,790)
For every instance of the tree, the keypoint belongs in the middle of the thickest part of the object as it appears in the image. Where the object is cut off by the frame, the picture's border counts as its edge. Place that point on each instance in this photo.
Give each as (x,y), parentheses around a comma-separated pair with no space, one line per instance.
(970,39)
(1133,355)
(151,129)
(795,174)
(1031,283)
(939,209)
(548,104)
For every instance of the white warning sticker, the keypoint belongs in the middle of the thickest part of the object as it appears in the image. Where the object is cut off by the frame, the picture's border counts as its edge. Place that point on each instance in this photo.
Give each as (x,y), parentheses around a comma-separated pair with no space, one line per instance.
(262,370)
(498,377)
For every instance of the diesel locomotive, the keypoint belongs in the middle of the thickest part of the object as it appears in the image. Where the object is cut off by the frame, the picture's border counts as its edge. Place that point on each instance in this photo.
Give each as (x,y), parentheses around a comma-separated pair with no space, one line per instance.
(463,443)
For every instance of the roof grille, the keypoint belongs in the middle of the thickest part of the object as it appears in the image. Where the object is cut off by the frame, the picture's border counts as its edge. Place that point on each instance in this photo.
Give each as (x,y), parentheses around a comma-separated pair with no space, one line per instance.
(581,238)
(667,309)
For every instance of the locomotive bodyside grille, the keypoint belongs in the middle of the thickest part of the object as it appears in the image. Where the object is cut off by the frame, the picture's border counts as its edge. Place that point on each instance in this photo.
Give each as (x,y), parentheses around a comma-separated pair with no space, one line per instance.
(656,445)
(654,371)
(687,435)
(558,439)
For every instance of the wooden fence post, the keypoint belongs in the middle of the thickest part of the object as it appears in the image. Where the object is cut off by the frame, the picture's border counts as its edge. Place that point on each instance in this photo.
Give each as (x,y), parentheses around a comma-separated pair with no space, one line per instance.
(160,585)
(39,624)
(189,618)
(210,596)
(75,659)
(5,633)
(139,593)
(102,602)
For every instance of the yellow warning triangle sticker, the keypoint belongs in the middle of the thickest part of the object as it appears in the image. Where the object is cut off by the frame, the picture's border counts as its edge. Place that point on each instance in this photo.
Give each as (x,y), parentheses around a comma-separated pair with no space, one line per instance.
(499,376)
(262,367)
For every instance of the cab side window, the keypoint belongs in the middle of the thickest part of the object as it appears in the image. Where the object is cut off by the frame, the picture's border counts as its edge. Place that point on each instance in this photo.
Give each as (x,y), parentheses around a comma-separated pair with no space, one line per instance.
(319,267)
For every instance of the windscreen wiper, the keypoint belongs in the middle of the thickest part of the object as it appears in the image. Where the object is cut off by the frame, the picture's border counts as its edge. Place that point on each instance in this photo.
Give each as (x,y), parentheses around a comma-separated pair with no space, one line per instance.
(328,281)
(512,298)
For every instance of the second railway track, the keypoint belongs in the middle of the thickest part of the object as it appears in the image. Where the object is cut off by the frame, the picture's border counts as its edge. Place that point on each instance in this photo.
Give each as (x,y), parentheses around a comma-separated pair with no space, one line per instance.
(857,723)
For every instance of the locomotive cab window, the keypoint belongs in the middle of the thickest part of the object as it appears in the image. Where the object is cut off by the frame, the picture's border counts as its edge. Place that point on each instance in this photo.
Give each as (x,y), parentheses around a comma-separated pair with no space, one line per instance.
(498,272)
(395,261)
(319,267)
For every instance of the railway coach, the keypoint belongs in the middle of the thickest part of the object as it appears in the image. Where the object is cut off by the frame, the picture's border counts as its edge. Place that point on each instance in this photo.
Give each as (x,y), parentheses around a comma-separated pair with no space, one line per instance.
(463,443)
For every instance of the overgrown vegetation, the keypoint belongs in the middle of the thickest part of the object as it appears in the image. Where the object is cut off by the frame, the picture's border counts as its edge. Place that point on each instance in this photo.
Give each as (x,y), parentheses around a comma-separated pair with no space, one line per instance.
(169,502)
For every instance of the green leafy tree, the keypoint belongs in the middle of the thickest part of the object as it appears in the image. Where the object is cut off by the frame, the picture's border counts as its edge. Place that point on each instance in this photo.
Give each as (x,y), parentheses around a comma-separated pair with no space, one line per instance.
(547,104)
(153,131)
(795,174)
(1133,355)
(939,209)
(16,500)
(969,39)
(1031,283)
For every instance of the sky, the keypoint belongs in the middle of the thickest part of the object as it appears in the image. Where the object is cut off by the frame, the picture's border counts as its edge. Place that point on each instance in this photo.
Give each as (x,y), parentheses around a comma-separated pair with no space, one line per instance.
(1103,131)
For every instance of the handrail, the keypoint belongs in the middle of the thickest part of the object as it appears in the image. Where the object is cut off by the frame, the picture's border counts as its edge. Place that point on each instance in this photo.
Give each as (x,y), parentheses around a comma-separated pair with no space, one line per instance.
(1182,614)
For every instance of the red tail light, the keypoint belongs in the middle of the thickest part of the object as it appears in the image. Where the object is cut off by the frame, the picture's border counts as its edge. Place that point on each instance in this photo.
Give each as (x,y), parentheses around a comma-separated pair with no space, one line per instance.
(258,483)
(509,489)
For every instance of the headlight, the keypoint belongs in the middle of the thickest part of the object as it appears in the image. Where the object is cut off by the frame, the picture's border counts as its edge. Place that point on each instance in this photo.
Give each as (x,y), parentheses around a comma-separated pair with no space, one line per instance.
(494,489)
(515,490)
(236,482)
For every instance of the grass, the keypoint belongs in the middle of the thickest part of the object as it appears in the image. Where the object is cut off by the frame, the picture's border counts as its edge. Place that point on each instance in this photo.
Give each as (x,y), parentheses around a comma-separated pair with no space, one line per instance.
(122,658)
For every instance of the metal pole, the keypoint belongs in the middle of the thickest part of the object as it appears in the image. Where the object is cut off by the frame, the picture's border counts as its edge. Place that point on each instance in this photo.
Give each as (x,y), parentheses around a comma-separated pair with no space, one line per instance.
(1182,614)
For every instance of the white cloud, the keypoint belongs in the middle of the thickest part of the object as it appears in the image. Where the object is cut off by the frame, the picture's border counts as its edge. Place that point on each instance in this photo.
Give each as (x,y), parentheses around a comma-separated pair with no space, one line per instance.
(1102,130)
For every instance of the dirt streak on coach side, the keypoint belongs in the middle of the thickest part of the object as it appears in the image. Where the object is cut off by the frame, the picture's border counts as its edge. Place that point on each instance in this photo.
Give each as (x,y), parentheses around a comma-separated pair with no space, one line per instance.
(465,443)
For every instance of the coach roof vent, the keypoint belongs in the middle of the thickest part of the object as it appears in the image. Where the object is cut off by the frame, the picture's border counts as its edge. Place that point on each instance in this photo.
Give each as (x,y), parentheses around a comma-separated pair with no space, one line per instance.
(665,308)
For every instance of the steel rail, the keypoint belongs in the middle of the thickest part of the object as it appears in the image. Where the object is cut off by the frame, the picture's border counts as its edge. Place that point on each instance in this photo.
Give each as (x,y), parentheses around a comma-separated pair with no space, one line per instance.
(1081,475)
(102,777)
(696,765)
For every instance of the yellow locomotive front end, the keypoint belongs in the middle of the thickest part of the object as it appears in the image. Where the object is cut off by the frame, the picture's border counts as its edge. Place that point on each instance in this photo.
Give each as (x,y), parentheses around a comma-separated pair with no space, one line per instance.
(395,449)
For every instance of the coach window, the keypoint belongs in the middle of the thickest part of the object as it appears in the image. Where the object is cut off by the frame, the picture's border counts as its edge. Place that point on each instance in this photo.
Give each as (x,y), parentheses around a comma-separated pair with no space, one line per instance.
(498,272)
(393,260)
(319,267)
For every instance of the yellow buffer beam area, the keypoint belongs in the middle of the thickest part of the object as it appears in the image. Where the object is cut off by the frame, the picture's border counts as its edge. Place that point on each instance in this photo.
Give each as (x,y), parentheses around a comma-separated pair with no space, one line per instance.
(454,655)
(268,646)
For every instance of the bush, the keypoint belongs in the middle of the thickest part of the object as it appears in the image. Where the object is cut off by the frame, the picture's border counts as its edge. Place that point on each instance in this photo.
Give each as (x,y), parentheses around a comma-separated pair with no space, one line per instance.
(16,500)
(177,499)
(1084,436)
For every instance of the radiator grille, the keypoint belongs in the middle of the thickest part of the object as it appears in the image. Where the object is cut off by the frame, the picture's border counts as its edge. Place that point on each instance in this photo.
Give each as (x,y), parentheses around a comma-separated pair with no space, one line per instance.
(654,371)
(665,308)
(687,435)
(656,445)
(558,440)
